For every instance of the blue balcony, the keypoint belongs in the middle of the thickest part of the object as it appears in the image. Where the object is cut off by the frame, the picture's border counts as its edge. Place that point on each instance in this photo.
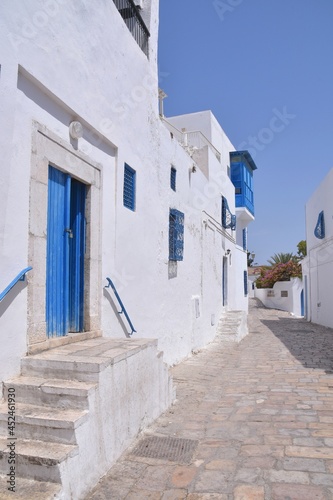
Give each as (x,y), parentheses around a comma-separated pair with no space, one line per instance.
(242,167)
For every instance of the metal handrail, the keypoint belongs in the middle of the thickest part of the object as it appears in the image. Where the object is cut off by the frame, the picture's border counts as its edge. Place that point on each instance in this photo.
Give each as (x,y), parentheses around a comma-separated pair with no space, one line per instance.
(218,226)
(19,277)
(190,139)
(123,310)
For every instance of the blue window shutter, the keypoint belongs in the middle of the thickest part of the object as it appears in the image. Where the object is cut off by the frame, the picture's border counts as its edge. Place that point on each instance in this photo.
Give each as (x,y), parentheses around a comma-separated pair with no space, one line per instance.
(228,219)
(129,187)
(224,212)
(245,284)
(245,239)
(176,235)
(173,173)
(320,226)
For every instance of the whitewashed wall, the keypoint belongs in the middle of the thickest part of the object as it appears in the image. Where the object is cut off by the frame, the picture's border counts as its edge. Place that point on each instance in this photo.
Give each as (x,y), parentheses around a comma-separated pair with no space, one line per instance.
(274,299)
(318,265)
(53,73)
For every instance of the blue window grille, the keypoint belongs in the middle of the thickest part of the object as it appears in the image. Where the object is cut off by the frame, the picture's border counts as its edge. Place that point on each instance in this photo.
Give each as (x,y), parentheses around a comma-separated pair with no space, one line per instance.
(245,239)
(228,219)
(245,284)
(320,226)
(129,187)
(176,235)
(173,173)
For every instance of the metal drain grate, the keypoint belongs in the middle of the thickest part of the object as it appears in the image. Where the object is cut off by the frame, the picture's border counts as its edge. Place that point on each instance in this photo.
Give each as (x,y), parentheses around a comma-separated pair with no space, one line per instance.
(166,448)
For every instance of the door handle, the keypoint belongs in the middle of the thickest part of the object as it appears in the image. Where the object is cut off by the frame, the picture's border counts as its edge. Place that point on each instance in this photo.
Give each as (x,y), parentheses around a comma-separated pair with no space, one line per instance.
(69,231)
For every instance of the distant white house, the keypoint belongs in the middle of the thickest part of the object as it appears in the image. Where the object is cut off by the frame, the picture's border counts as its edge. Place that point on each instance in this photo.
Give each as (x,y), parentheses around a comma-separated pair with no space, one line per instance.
(96,183)
(318,265)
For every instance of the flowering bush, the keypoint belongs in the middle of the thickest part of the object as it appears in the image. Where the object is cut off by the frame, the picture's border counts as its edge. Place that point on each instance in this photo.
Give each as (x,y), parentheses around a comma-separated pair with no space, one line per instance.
(278,272)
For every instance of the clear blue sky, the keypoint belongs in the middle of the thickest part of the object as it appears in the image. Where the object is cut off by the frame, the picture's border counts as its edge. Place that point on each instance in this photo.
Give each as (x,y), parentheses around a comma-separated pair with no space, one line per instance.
(243,59)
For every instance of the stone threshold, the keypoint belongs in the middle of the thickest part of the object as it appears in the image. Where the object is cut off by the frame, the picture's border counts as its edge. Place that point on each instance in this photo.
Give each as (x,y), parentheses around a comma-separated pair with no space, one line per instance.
(71,338)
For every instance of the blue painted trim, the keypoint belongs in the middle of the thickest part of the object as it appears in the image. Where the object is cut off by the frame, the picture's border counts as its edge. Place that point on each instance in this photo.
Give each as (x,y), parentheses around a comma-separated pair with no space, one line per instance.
(228,219)
(176,235)
(242,179)
(173,174)
(19,277)
(244,233)
(246,155)
(319,231)
(129,190)
(246,291)
(123,310)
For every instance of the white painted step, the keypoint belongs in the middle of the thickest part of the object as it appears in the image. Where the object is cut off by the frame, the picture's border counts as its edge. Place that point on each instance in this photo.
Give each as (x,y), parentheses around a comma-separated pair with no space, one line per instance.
(232,326)
(28,489)
(43,422)
(56,392)
(83,369)
(37,460)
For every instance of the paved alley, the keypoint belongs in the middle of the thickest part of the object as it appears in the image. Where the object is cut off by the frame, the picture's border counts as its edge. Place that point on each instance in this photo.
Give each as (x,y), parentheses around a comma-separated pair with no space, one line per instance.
(252,421)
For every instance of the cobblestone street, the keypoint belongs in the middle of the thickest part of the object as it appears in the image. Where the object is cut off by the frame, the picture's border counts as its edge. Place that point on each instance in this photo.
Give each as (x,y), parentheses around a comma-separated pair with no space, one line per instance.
(260,415)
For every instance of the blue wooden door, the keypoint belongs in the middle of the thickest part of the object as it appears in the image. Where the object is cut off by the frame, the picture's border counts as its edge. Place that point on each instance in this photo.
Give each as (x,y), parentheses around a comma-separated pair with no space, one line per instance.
(302,303)
(76,255)
(65,254)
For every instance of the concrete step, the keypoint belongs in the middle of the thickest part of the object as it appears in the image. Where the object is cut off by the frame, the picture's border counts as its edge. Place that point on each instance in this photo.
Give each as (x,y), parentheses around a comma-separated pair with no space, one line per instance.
(232,326)
(28,489)
(43,423)
(82,369)
(85,396)
(37,460)
(42,392)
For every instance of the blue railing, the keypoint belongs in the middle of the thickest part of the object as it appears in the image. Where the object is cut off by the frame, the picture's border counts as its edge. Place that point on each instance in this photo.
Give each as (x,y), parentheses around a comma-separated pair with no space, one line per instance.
(123,310)
(19,277)
(245,199)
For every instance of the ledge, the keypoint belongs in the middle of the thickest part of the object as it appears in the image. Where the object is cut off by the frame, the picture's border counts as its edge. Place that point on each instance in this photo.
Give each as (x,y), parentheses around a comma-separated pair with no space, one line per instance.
(60,341)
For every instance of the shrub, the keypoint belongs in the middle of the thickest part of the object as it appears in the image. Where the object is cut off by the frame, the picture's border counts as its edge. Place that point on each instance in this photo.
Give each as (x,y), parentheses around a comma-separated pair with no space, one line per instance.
(279,272)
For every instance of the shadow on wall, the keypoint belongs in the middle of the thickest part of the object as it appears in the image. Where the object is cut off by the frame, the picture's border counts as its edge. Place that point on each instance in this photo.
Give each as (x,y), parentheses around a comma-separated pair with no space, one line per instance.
(118,316)
(11,296)
(310,344)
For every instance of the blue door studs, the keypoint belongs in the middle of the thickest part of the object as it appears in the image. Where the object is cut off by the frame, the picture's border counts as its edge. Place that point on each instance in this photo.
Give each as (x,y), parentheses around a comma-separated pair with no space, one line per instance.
(65,254)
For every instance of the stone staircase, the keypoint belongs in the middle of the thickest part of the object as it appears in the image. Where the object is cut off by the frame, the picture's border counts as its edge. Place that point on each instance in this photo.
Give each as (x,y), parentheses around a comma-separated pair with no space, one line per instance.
(232,326)
(77,408)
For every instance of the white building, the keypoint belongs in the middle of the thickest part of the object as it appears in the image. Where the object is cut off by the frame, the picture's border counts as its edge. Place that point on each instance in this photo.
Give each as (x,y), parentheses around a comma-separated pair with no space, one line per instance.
(317,267)
(95,184)
(285,296)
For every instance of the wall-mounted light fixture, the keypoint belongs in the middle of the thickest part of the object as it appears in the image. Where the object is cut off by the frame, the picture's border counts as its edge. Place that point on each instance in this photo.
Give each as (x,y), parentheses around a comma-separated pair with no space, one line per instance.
(227,252)
(75,130)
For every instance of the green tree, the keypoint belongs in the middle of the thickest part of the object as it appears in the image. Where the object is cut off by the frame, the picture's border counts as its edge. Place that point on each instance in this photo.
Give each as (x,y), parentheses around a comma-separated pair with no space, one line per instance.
(301,249)
(281,258)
